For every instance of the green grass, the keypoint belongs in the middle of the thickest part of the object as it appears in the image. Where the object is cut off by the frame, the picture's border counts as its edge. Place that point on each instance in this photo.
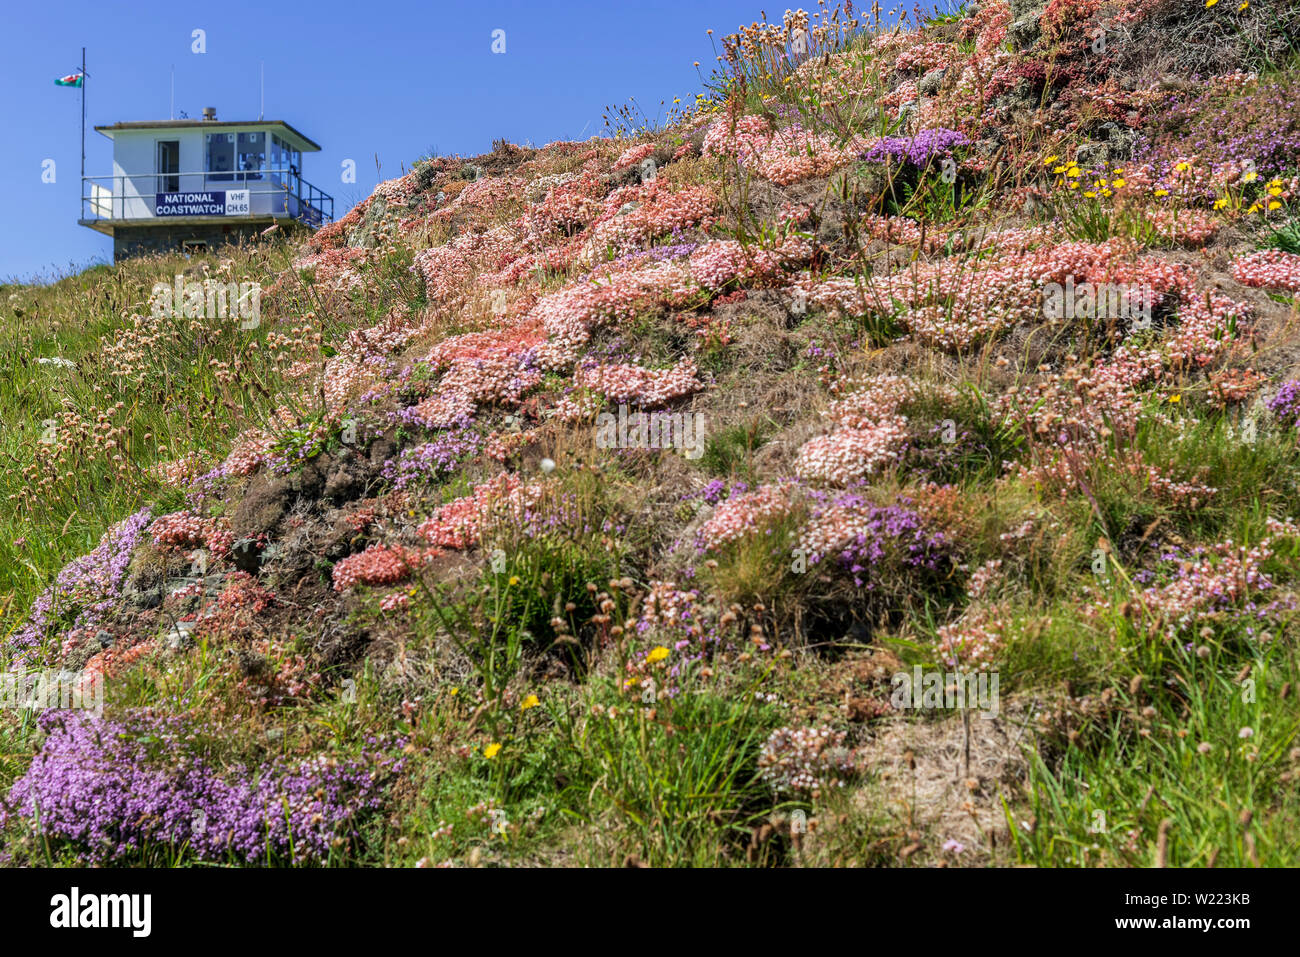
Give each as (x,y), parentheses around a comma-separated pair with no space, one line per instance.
(729,453)
(599,777)
(1285,238)
(1194,753)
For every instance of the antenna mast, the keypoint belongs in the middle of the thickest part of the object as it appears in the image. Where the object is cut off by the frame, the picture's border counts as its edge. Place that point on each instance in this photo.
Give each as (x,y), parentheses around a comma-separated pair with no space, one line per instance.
(83,113)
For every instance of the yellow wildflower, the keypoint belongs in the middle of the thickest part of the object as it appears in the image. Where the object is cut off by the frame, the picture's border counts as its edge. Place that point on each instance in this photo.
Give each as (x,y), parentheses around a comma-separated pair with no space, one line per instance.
(1274,204)
(1162,192)
(657,654)
(1119,183)
(529,702)
(491,750)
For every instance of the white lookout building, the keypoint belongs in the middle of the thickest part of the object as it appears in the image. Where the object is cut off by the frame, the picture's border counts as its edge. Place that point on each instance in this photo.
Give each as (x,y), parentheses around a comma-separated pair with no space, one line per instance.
(192,185)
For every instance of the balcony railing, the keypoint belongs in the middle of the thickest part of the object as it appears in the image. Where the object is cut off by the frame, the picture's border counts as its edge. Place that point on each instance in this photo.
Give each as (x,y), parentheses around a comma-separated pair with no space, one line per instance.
(278,193)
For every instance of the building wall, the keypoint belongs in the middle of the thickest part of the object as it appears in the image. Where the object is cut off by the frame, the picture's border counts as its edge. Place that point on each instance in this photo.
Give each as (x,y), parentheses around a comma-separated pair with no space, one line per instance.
(134,157)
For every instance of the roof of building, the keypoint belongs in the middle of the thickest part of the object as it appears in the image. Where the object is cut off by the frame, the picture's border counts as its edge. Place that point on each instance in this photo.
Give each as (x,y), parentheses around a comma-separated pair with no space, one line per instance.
(309,145)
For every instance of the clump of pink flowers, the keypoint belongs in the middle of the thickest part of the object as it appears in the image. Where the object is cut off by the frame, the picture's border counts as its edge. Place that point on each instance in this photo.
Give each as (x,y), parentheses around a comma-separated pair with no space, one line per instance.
(793,154)
(724,261)
(378,565)
(250,451)
(867,435)
(460,523)
(972,644)
(180,472)
(1269,269)
(178,529)
(645,387)
(632,156)
(738,138)
(806,760)
(639,214)
(1217,580)
(846,455)
(744,514)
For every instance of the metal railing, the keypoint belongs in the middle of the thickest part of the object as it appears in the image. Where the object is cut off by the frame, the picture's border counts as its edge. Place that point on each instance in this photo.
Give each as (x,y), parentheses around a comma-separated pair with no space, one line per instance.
(279,192)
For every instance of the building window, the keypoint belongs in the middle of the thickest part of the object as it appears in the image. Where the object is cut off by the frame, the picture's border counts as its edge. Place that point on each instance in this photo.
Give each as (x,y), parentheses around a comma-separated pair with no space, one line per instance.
(169,165)
(279,160)
(220,155)
(251,155)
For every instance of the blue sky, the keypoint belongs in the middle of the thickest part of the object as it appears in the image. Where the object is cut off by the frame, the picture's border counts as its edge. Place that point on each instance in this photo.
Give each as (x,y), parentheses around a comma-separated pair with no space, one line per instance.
(392,79)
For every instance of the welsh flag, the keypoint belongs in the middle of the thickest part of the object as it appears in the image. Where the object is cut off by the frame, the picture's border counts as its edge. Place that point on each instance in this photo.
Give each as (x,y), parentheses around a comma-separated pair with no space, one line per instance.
(71,80)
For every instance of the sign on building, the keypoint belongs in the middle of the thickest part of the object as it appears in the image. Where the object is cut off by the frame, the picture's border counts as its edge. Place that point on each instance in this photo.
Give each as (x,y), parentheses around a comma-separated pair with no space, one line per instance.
(218,202)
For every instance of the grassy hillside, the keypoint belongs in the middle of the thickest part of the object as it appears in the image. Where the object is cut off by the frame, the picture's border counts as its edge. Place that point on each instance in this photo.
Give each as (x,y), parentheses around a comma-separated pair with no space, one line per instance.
(974,346)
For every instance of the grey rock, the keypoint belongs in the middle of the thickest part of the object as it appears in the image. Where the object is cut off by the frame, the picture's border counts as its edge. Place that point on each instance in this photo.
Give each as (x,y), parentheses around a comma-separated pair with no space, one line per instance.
(144,597)
(1025,16)
(1025,32)
(179,635)
(931,83)
(1093,155)
(1119,139)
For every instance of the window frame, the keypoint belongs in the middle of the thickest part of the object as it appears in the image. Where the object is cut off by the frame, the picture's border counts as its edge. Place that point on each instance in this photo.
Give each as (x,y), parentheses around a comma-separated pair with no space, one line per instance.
(219,176)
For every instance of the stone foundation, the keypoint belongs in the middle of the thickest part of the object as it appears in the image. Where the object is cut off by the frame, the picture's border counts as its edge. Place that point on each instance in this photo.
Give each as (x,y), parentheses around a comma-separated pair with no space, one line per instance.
(141,240)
